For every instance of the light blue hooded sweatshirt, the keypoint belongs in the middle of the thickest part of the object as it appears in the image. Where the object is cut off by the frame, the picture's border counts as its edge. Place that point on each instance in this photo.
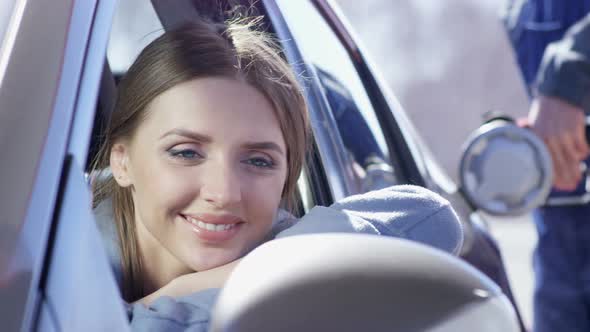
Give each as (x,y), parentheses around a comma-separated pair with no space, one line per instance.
(408,212)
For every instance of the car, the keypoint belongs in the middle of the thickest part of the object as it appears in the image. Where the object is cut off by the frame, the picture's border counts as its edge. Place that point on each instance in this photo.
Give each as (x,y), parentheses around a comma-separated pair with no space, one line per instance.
(59,64)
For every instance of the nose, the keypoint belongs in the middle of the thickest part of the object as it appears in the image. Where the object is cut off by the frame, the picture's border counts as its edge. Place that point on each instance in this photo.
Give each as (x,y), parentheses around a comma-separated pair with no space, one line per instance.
(221,186)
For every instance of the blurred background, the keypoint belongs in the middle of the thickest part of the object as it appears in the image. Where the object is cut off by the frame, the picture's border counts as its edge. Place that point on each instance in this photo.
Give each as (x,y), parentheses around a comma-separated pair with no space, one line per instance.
(449,62)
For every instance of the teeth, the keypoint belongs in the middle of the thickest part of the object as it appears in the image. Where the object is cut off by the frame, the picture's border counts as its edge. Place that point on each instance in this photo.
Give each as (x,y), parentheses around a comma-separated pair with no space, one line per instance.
(209,227)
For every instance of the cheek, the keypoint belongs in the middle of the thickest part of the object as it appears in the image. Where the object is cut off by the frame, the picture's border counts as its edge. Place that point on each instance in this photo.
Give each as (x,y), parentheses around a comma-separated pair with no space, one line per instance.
(162,187)
(262,198)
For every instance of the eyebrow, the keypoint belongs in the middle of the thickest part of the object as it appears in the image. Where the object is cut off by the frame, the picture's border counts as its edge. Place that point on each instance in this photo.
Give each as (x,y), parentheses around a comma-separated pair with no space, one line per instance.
(264,146)
(206,139)
(189,134)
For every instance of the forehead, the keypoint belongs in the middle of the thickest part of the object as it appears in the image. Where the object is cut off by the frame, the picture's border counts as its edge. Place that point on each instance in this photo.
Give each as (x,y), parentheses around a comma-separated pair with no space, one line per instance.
(214,106)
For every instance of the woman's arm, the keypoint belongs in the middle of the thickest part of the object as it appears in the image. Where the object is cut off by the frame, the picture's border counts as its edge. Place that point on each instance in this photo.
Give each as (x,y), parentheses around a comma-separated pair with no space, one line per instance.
(404,211)
(193,282)
(408,212)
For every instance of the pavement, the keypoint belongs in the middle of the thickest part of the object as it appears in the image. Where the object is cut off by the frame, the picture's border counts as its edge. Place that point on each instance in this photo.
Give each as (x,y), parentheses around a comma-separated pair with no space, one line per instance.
(449,62)
(517,239)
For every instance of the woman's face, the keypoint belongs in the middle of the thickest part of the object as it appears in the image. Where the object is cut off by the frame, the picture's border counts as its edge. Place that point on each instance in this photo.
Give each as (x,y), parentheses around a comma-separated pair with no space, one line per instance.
(207,168)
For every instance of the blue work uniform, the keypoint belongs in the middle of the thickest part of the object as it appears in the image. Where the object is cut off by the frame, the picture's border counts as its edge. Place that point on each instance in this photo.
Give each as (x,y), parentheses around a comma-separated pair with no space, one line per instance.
(558,66)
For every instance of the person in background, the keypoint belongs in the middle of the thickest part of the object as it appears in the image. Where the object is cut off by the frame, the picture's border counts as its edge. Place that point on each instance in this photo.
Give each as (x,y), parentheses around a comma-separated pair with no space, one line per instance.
(552,44)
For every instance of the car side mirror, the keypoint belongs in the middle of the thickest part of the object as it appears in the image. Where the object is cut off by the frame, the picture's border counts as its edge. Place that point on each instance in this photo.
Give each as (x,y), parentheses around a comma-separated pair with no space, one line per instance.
(358,282)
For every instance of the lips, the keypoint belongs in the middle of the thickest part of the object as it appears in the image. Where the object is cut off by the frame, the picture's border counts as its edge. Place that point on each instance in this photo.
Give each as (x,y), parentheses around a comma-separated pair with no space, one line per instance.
(213,228)
(209,226)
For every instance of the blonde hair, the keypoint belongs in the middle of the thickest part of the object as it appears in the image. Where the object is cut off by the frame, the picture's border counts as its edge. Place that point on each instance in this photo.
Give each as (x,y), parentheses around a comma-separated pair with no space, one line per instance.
(234,49)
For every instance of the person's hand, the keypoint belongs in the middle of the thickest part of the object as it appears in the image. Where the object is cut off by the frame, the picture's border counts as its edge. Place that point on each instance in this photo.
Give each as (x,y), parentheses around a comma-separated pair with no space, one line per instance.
(562,128)
(193,282)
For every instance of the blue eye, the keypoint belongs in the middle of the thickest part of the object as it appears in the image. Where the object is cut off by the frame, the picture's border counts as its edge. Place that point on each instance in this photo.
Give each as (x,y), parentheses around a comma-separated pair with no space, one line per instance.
(260,162)
(184,154)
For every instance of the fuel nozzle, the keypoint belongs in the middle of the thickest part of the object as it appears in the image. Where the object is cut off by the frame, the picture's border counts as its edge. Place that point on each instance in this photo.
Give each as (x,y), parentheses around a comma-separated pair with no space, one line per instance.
(505,169)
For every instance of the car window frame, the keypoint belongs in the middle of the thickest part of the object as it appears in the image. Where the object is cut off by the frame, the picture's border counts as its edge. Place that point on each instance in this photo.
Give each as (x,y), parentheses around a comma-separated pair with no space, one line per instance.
(76,88)
(404,157)
(330,166)
(405,153)
(46,131)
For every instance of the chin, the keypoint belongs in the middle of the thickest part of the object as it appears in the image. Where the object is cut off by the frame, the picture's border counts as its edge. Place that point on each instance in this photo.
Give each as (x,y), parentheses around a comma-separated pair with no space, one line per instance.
(213,258)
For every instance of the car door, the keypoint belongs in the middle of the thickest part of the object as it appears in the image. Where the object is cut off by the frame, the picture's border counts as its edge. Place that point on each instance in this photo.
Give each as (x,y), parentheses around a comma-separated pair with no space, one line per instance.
(56,276)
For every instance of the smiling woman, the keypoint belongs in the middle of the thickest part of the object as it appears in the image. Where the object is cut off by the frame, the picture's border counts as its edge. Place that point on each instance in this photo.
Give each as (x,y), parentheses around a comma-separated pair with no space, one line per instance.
(205,145)
(207,137)
(207,190)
